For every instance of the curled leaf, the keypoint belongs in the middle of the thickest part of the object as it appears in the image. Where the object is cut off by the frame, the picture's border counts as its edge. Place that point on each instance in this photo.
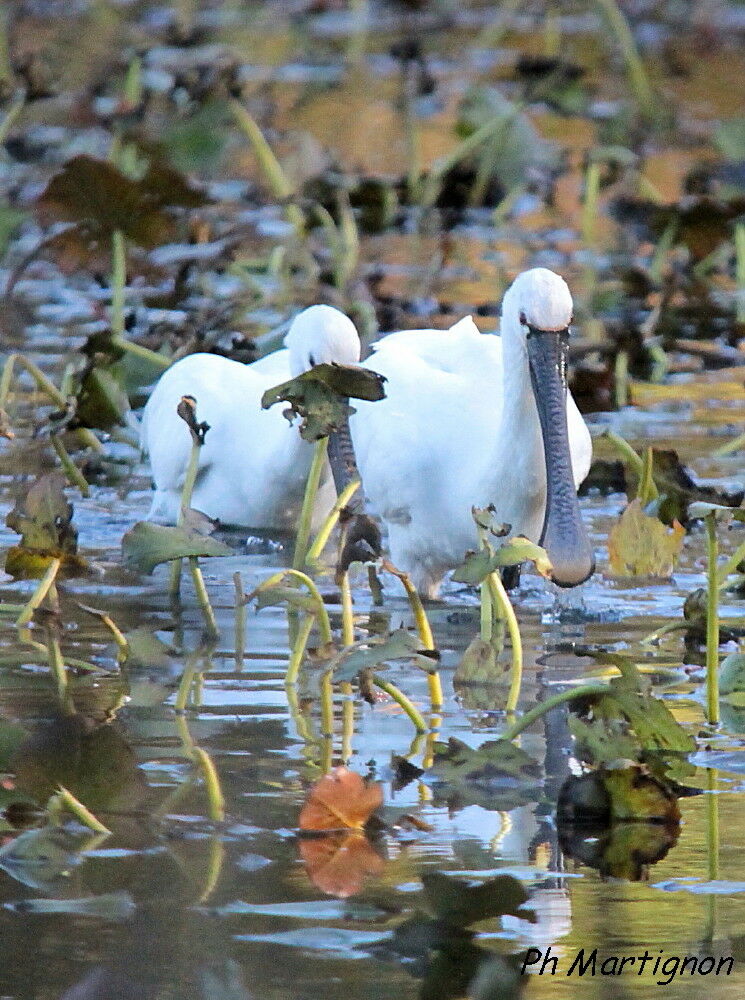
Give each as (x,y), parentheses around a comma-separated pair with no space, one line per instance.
(320,396)
(640,545)
(338,863)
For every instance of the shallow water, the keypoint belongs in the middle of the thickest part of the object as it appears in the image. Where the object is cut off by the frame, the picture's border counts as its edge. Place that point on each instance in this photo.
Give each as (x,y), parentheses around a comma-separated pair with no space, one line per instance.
(173,905)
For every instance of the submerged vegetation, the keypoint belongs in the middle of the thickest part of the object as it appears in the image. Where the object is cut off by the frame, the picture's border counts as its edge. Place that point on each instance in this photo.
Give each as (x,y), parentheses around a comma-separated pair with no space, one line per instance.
(198,175)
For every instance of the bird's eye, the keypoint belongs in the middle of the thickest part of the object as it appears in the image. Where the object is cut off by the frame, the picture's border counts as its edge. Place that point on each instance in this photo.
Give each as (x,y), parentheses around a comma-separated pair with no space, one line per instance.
(311,361)
(523,319)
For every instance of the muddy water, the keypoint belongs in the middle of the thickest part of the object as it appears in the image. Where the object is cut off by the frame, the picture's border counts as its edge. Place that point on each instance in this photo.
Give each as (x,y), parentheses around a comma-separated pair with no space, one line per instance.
(171,905)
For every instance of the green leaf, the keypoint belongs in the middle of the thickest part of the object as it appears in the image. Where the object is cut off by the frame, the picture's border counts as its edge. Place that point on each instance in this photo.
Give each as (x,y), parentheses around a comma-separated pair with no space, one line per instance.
(701,510)
(399,645)
(729,136)
(460,903)
(628,793)
(293,596)
(320,396)
(732,674)
(146,545)
(455,762)
(639,545)
(478,565)
(102,402)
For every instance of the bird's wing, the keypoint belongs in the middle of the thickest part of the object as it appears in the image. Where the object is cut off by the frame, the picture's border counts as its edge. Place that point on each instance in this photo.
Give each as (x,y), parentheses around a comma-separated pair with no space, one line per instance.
(443,399)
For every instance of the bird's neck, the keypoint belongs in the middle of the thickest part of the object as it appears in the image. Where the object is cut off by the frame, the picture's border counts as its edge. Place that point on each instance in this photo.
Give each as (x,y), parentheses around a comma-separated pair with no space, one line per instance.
(515,476)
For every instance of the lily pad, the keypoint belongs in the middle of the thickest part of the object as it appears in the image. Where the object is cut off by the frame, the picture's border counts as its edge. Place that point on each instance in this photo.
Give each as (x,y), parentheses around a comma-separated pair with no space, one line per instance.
(628,793)
(320,396)
(640,545)
(146,545)
(478,664)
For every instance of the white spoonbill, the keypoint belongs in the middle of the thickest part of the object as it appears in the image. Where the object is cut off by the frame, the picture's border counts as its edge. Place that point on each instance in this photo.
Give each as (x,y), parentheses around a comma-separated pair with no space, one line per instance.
(473,419)
(253,464)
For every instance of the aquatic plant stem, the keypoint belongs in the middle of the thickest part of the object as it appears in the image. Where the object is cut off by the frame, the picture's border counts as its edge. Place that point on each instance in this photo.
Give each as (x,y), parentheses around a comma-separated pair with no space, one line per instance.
(309,502)
(203,596)
(57,666)
(84,434)
(270,166)
(64,799)
(321,613)
(298,650)
(347,619)
(730,565)
(400,698)
(14,110)
(501,600)
(73,473)
(190,479)
(527,720)
(215,799)
(590,203)
(423,628)
(347,721)
(240,622)
(712,621)
(487,613)
(321,539)
(740,270)
(45,585)
(118,281)
(634,66)
(736,444)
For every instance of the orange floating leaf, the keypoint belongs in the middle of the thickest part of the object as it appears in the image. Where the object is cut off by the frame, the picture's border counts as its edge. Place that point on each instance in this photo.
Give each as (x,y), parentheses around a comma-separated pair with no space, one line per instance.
(340,800)
(338,863)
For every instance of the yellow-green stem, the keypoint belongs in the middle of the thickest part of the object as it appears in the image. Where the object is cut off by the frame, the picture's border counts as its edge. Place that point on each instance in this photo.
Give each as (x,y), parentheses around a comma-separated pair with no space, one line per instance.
(309,503)
(501,600)
(347,721)
(202,595)
(634,66)
(324,624)
(118,281)
(712,622)
(347,614)
(590,203)
(298,650)
(740,270)
(68,801)
(191,668)
(400,698)
(240,621)
(73,473)
(215,800)
(487,613)
(321,539)
(270,166)
(45,585)
(585,691)
(327,706)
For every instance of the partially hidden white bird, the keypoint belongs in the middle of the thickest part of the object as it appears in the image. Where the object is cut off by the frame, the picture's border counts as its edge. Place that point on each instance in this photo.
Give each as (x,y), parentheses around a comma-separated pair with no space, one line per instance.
(253,464)
(475,419)
(468,419)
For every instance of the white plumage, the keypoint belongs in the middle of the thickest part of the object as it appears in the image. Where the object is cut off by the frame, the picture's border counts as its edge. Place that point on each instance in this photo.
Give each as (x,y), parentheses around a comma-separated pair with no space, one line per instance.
(459,427)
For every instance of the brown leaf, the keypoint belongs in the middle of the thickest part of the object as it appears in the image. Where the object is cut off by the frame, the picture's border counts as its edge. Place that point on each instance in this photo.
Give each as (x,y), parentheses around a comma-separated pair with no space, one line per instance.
(340,800)
(339,863)
(640,545)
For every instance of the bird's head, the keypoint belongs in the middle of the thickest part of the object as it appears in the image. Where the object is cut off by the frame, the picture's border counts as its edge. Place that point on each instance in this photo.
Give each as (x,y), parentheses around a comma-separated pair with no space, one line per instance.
(321,335)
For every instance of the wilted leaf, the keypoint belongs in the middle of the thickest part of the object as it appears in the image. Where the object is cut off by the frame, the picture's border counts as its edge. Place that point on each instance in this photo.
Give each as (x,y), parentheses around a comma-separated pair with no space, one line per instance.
(478,664)
(320,396)
(146,650)
(340,800)
(400,644)
(43,519)
(338,863)
(640,545)
(101,400)
(699,222)
(701,510)
(98,196)
(146,545)
(286,595)
(457,763)
(461,903)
